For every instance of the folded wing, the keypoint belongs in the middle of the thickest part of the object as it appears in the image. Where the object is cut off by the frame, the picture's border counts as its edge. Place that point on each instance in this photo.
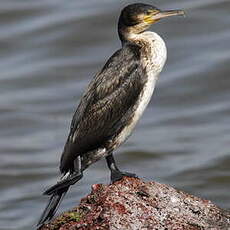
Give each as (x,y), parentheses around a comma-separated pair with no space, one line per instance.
(101,113)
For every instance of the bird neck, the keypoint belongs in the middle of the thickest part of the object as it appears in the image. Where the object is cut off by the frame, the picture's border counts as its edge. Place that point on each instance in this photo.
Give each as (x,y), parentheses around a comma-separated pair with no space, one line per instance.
(152,49)
(127,32)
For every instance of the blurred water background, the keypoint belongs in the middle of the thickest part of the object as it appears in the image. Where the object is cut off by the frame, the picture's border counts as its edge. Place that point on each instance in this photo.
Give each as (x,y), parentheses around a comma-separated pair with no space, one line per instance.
(49,51)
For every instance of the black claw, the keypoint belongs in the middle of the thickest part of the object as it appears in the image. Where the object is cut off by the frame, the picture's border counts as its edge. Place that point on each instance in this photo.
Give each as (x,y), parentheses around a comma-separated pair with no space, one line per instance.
(117,175)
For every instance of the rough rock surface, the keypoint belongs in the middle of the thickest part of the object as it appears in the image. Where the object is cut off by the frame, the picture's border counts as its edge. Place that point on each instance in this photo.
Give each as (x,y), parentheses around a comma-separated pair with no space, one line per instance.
(132,204)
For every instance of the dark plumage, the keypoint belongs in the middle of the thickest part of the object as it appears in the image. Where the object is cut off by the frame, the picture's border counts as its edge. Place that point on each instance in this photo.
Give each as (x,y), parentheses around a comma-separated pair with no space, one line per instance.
(101,112)
(113,102)
(131,15)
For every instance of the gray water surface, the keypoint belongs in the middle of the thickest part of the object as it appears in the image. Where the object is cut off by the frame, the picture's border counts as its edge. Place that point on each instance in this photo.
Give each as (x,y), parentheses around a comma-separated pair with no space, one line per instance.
(49,51)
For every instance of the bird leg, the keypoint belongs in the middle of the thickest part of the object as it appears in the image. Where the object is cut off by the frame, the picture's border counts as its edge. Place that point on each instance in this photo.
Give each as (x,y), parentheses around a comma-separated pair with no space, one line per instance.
(77,174)
(116,174)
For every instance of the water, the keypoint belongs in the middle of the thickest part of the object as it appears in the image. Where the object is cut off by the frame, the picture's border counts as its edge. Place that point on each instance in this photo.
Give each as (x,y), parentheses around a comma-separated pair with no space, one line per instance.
(50,49)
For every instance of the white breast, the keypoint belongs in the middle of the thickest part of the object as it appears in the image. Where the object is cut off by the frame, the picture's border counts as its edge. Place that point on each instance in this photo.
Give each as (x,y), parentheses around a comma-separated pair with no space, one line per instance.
(153,64)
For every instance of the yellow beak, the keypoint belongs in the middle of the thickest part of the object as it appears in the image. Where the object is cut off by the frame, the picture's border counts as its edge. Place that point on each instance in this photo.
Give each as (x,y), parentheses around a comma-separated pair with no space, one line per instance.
(156,16)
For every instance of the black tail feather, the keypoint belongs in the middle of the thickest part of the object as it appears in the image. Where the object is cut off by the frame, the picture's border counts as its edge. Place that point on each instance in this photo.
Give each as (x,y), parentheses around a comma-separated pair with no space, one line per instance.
(57,193)
(52,206)
(70,180)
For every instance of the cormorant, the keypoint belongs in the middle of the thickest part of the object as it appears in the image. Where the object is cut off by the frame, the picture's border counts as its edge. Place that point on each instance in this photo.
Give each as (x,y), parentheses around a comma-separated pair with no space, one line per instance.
(114,100)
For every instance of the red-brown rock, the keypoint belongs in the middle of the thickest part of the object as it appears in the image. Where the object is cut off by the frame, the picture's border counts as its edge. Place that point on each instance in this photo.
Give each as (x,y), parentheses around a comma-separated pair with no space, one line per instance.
(132,204)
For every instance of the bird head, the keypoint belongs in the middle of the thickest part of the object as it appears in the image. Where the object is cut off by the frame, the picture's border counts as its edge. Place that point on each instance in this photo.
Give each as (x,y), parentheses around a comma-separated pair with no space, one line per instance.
(136,18)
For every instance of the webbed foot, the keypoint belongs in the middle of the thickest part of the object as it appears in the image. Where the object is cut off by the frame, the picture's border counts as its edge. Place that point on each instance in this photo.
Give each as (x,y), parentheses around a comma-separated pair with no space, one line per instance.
(117,175)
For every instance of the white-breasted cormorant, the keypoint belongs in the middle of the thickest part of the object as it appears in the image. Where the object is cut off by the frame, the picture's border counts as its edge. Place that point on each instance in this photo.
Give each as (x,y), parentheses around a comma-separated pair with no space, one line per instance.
(114,100)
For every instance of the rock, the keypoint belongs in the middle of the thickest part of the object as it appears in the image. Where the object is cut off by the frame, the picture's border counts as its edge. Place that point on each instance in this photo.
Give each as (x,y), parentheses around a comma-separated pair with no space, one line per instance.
(132,204)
